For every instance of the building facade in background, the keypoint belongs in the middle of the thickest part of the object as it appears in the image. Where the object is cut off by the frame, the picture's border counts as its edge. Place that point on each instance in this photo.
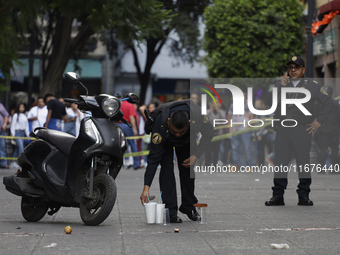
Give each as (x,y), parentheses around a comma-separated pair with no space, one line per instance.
(326,47)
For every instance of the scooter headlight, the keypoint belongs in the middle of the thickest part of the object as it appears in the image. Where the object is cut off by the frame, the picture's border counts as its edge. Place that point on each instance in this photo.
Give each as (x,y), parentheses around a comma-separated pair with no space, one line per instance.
(110,106)
(92,131)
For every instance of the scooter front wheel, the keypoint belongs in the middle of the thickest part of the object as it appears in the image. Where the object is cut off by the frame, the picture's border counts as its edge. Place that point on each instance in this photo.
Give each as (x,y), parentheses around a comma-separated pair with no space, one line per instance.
(32,209)
(94,211)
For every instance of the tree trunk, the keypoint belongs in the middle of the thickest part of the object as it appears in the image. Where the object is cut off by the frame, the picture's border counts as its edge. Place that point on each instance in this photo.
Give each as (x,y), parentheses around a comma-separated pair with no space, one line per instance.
(63,48)
(154,46)
(52,81)
(144,82)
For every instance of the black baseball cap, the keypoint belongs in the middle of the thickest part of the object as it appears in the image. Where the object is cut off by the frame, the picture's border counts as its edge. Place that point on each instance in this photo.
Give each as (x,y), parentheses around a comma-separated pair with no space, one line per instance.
(296,60)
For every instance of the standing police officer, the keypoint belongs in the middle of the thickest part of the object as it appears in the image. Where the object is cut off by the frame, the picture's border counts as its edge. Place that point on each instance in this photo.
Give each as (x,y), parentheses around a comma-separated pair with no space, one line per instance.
(296,139)
(177,124)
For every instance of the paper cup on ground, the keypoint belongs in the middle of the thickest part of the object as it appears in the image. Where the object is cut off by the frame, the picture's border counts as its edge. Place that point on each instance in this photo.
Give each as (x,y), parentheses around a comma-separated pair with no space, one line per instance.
(150,212)
(159,213)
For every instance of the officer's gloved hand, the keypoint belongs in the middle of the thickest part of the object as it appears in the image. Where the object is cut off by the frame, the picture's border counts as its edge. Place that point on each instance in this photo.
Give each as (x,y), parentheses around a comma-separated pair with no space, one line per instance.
(189,161)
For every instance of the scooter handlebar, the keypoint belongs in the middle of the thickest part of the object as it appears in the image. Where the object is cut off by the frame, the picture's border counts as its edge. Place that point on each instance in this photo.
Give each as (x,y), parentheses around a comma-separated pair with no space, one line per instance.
(70,100)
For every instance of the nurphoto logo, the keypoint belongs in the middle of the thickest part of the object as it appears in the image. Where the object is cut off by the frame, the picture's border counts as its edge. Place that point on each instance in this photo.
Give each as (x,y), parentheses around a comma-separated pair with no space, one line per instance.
(239,100)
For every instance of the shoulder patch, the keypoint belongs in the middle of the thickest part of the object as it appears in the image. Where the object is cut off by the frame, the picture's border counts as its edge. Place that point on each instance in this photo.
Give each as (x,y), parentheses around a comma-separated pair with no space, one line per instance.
(156,138)
(206,119)
(323,91)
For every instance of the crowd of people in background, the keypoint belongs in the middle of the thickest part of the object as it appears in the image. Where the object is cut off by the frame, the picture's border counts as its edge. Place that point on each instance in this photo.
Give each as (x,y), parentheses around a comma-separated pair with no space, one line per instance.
(20,121)
(255,148)
(246,149)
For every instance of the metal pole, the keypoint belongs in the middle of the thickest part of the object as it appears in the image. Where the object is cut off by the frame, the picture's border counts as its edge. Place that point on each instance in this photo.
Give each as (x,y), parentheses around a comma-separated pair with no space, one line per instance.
(309,62)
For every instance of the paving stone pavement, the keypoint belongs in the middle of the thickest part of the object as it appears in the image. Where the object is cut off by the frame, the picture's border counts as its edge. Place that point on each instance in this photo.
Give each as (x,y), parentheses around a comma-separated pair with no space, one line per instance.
(238,220)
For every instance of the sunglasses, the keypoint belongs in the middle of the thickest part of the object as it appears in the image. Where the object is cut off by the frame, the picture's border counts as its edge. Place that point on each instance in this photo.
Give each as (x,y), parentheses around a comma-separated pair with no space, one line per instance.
(297,68)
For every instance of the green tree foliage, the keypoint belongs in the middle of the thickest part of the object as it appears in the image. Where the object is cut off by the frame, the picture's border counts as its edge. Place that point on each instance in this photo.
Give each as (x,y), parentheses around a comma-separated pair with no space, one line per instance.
(14,24)
(72,23)
(17,17)
(251,38)
(184,21)
(67,25)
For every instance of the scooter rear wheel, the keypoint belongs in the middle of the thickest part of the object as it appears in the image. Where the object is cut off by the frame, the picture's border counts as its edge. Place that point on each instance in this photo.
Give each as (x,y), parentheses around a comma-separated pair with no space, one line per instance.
(95,211)
(32,209)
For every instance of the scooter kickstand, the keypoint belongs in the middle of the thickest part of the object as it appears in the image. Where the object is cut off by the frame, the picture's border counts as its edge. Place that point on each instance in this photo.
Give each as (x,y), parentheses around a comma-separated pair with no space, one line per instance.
(53,210)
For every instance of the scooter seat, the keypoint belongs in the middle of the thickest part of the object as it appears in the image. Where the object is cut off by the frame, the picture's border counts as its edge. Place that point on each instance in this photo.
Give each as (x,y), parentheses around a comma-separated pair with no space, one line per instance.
(63,141)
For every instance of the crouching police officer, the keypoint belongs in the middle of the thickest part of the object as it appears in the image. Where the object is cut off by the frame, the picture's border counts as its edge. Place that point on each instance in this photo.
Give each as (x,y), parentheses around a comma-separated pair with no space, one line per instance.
(294,138)
(177,124)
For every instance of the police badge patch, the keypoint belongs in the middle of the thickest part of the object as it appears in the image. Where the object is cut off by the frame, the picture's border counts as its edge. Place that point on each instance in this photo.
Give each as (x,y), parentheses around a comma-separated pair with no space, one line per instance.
(323,91)
(206,119)
(156,138)
(294,58)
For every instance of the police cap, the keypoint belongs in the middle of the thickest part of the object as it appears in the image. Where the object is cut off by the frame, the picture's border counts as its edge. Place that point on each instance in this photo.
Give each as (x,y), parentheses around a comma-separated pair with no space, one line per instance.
(296,60)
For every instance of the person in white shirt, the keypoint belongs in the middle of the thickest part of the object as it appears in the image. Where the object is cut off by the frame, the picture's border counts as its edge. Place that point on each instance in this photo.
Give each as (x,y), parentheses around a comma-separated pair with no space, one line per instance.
(19,128)
(81,115)
(70,122)
(37,115)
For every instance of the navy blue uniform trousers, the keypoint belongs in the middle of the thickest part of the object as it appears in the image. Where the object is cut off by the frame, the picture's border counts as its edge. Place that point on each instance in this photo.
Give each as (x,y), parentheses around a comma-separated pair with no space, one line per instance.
(168,183)
(292,142)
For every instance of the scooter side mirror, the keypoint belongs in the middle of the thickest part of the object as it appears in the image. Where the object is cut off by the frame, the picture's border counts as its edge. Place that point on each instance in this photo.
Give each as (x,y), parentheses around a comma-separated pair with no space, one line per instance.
(75,78)
(133,98)
(72,77)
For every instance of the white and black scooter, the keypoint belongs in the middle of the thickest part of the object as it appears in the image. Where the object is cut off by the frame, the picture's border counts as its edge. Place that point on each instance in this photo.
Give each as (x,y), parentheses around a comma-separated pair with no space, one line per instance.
(58,169)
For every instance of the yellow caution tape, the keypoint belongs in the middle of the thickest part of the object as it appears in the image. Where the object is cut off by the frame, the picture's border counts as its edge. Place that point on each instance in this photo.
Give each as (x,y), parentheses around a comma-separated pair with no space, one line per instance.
(136,137)
(9,158)
(143,153)
(15,137)
(224,136)
(139,153)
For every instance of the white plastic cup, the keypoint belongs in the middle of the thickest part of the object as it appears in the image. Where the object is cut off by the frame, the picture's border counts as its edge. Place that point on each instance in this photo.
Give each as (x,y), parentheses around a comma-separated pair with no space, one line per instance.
(150,212)
(159,213)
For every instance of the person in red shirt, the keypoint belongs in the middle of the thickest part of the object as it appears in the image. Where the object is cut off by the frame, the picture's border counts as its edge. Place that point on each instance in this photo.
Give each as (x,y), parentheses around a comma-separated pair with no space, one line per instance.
(130,115)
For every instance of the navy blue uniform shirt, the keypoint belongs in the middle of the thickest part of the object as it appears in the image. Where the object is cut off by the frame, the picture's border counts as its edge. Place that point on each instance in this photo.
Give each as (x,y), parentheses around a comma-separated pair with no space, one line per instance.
(161,137)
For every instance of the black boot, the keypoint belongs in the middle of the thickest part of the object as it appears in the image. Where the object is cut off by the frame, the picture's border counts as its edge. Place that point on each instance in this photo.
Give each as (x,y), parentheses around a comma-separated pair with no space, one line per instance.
(175,219)
(192,214)
(304,200)
(274,201)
